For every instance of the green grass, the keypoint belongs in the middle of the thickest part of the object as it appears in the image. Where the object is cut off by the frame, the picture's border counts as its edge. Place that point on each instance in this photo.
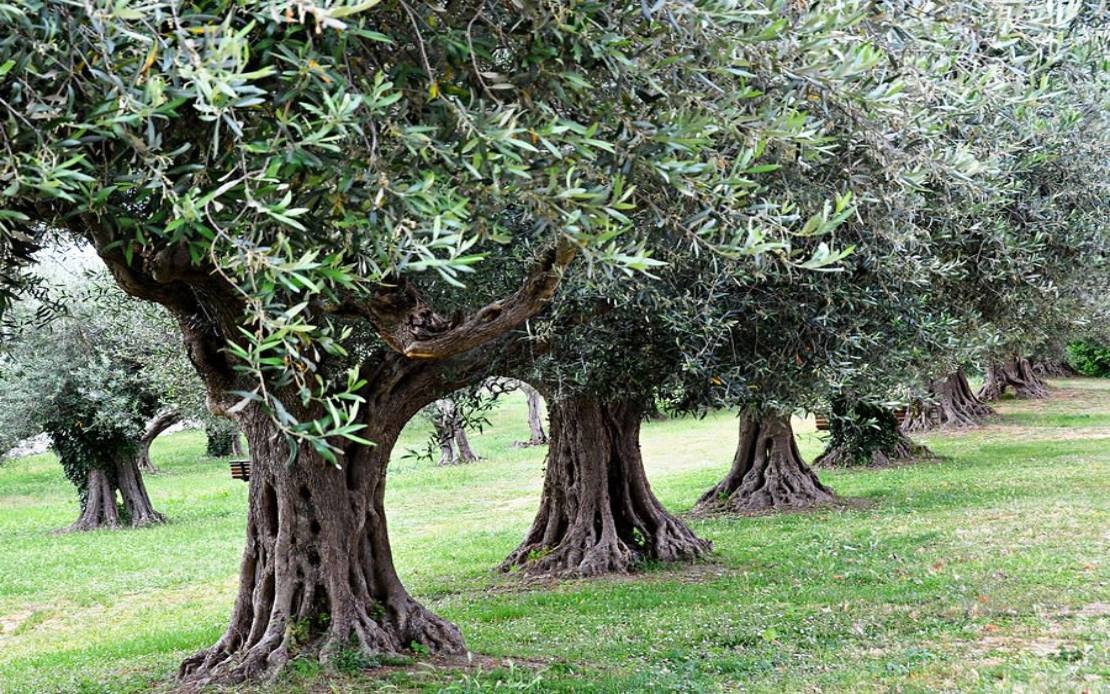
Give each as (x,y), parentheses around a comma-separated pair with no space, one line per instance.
(984,571)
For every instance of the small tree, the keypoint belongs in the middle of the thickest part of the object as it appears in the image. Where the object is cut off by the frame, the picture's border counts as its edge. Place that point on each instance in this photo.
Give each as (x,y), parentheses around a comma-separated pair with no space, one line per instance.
(90,380)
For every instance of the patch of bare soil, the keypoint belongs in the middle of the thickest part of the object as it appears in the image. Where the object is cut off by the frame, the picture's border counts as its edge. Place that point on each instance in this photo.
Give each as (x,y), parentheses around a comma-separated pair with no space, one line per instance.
(1056,641)
(10,622)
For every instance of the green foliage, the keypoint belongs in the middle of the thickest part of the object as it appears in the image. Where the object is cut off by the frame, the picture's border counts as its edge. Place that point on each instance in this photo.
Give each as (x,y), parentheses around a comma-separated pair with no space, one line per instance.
(858,430)
(220,435)
(301,156)
(1089,358)
(92,378)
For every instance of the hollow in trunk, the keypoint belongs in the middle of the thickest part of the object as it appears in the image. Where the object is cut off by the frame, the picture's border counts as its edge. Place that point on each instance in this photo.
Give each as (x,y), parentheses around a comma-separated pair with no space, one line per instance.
(598,514)
(768,473)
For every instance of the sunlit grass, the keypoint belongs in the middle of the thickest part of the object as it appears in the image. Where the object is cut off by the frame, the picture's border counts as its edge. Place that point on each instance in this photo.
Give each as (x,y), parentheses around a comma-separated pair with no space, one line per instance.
(985,570)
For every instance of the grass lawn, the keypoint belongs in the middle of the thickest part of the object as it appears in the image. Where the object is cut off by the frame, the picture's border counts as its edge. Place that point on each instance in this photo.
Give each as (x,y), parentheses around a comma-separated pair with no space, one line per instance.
(984,571)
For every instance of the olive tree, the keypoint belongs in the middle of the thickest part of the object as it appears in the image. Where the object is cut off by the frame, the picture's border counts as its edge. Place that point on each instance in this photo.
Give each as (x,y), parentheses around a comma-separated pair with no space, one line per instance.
(97,381)
(294,181)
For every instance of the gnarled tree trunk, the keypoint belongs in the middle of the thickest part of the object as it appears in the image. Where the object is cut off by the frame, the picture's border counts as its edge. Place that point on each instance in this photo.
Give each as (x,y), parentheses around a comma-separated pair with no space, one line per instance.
(136,501)
(317,575)
(1052,367)
(462,445)
(869,436)
(537,436)
(154,428)
(768,473)
(454,446)
(598,514)
(953,405)
(1017,373)
(99,505)
(99,508)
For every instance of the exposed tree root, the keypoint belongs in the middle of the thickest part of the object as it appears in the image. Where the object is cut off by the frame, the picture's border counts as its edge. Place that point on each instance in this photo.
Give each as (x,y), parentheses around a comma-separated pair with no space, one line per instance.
(953,405)
(317,575)
(1017,374)
(598,514)
(767,474)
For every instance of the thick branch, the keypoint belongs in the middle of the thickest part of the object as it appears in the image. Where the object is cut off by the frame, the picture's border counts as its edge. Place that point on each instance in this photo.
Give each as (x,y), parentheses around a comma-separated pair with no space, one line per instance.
(414,329)
(161,421)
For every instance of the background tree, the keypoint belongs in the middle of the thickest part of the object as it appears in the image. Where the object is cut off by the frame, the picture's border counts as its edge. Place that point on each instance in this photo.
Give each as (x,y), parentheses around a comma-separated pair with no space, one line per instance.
(222,438)
(93,380)
(536,434)
(596,357)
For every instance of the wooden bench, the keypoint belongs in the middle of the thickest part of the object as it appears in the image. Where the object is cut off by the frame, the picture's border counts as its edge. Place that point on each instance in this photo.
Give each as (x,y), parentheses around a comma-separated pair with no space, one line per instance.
(241,469)
(822,422)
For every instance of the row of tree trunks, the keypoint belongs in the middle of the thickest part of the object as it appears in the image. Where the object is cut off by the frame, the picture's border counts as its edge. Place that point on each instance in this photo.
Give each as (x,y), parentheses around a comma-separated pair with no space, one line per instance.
(454,445)
(317,575)
(867,436)
(1018,374)
(767,473)
(597,513)
(952,404)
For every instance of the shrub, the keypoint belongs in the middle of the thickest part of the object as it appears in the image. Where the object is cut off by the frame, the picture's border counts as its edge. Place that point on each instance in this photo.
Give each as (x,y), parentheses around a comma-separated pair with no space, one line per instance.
(1089,358)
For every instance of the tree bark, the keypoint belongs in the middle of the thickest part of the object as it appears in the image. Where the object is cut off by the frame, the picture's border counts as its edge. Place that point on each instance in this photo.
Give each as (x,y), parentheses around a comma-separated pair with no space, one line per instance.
(867,436)
(1017,373)
(454,446)
(537,436)
(317,574)
(598,514)
(132,489)
(154,428)
(1052,367)
(462,444)
(768,473)
(99,505)
(953,405)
